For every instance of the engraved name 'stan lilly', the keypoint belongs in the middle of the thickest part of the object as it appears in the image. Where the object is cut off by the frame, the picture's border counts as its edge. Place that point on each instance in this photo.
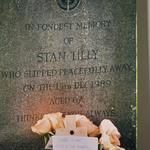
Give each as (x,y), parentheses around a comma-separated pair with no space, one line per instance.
(79,125)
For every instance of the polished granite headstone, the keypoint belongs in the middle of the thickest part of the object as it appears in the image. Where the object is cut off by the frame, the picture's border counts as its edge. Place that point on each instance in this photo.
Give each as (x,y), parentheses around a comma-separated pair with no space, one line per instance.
(75,57)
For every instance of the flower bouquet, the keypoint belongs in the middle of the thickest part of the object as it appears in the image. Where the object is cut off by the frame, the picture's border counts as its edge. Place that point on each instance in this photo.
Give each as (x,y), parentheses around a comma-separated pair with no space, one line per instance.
(78,125)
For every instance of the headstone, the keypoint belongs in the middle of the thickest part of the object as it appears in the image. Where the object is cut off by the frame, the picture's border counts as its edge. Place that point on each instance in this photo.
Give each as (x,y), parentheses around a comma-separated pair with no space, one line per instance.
(75,57)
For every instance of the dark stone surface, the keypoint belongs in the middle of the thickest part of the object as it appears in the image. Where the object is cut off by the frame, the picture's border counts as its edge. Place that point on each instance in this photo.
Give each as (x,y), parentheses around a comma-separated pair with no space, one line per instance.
(79,60)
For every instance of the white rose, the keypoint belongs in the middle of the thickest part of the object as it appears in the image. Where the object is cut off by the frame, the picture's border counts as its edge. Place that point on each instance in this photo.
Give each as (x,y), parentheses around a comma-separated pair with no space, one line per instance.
(42,126)
(56,120)
(107,145)
(105,141)
(107,127)
(110,136)
(82,121)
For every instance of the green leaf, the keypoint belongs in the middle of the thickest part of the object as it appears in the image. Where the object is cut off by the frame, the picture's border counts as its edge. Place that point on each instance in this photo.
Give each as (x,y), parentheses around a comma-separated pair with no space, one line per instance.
(100,147)
(45,140)
(47,136)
